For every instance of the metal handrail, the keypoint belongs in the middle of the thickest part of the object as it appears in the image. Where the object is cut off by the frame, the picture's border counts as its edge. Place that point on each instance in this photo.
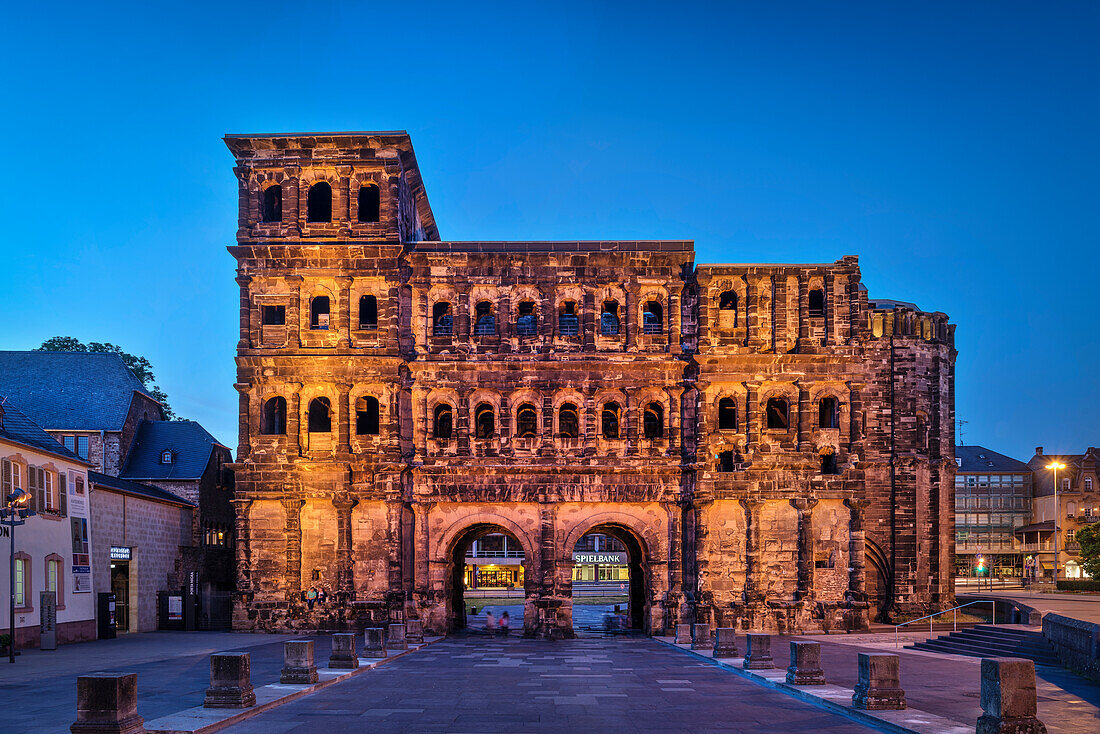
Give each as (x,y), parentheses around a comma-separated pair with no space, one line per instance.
(945,611)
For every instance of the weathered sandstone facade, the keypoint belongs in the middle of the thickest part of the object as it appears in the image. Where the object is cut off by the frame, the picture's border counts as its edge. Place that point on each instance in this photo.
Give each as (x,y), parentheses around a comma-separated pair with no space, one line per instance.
(774,450)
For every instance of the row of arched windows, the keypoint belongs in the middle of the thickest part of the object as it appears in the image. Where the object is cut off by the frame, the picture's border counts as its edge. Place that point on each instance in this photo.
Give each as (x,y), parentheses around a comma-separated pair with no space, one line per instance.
(569,423)
(320,310)
(727,301)
(777,414)
(527,320)
(319,416)
(319,203)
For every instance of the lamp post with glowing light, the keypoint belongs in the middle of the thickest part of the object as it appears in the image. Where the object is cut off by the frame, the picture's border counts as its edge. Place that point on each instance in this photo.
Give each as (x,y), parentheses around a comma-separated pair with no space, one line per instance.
(1056,465)
(14,512)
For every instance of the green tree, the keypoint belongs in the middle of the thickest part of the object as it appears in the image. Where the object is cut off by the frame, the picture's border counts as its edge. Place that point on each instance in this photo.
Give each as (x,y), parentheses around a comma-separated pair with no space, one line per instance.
(139,366)
(1089,538)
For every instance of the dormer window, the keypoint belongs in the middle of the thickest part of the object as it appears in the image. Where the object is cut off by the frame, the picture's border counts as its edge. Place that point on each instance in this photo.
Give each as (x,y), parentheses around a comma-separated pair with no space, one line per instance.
(167,457)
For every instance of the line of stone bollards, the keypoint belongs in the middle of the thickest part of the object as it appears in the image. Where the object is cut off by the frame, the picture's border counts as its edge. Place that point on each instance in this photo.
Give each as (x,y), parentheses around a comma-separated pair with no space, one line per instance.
(107,704)
(1008,694)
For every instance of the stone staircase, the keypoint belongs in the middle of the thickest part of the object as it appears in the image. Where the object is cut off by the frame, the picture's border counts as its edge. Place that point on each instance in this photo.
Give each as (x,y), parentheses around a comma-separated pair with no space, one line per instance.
(985,640)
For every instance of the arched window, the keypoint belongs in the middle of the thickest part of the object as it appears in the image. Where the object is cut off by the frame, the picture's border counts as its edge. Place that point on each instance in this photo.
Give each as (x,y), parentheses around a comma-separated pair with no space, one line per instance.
(727,301)
(653,421)
(320,416)
(485,421)
(319,313)
(828,463)
(527,421)
(568,322)
(828,413)
(778,413)
(273,204)
(652,318)
(569,426)
(370,203)
(368,313)
(727,415)
(527,322)
(609,420)
(366,416)
(485,322)
(319,203)
(274,418)
(442,320)
(443,421)
(609,319)
(817,302)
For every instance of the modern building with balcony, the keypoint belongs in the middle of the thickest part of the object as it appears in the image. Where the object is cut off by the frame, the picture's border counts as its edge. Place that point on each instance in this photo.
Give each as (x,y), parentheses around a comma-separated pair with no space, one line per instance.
(1075,505)
(993,498)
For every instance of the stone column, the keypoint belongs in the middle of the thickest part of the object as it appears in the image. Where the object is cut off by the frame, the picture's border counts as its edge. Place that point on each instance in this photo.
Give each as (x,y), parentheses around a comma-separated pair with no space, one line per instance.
(879,687)
(588,322)
(294,419)
(752,315)
(506,322)
(752,415)
(298,664)
(292,201)
(804,426)
(462,314)
(546,444)
(244,433)
(462,422)
(245,341)
(345,411)
(590,428)
(1009,699)
(243,550)
(632,423)
(857,575)
(395,542)
(754,573)
(853,307)
(293,530)
(855,417)
(344,284)
(421,582)
(805,668)
(674,328)
(674,410)
(294,327)
(827,294)
(230,681)
(504,425)
(420,320)
(345,583)
(629,322)
(803,310)
(805,507)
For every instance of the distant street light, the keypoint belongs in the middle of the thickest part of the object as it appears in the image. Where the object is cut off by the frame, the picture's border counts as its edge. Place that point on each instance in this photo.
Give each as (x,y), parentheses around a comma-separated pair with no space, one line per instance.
(1056,465)
(14,513)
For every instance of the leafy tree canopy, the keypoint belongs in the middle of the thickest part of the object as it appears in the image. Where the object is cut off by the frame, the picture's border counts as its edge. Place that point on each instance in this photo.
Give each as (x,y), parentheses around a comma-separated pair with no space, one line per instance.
(1089,538)
(140,366)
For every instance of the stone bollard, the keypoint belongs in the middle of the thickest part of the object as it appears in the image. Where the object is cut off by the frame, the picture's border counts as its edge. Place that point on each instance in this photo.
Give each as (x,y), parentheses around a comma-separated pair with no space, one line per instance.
(395,637)
(343,654)
(1008,697)
(879,687)
(683,634)
(805,668)
(758,656)
(700,636)
(298,666)
(230,681)
(725,646)
(374,642)
(107,704)
(414,631)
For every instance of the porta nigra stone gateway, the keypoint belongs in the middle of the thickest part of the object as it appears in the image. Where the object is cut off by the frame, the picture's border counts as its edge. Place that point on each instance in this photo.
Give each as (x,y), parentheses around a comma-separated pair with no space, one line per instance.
(772,447)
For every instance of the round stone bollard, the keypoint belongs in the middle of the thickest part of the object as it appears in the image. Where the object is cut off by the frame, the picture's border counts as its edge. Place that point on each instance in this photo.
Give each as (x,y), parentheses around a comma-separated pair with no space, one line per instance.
(414,631)
(725,643)
(683,634)
(374,642)
(805,668)
(343,655)
(879,686)
(230,681)
(1009,703)
(758,656)
(107,704)
(298,665)
(395,637)
(700,636)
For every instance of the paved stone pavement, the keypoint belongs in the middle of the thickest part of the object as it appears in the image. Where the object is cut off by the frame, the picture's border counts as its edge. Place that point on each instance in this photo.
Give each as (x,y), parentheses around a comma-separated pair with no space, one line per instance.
(478,684)
(587,618)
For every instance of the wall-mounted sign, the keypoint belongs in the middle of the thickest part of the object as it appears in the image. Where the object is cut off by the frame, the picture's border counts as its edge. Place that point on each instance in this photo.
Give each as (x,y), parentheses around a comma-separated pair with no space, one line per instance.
(120,553)
(615,558)
(82,579)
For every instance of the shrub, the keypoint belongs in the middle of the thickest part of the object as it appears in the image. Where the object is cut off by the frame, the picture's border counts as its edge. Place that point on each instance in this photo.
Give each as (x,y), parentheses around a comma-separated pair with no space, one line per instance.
(1079,585)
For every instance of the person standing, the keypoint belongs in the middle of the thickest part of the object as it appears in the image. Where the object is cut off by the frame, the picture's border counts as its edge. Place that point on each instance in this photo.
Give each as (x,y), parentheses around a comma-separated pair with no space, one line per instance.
(505,623)
(490,622)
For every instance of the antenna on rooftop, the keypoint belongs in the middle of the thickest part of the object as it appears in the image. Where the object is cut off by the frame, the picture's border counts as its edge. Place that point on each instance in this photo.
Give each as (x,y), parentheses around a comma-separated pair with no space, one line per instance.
(961,423)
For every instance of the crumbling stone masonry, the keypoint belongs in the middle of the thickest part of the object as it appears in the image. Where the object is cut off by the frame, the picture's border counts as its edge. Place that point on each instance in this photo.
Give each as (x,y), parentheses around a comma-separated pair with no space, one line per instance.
(773,448)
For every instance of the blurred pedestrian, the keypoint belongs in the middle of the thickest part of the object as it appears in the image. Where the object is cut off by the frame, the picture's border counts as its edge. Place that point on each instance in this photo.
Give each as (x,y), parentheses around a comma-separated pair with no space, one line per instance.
(490,622)
(505,622)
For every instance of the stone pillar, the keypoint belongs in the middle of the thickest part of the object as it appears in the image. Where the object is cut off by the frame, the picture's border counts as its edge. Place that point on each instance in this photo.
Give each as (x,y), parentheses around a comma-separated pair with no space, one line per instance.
(294,330)
(805,509)
(827,294)
(421,582)
(343,655)
(588,321)
(462,422)
(395,545)
(857,551)
(414,631)
(504,425)
(803,310)
(107,704)
(879,686)
(754,576)
(804,425)
(230,682)
(700,636)
(725,642)
(344,416)
(243,547)
(345,583)
(630,321)
(675,412)
(292,200)
(674,328)
(758,656)
(855,417)
(374,642)
(344,284)
(293,526)
(753,415)
(805,668)
(752,316)
(1009,703)
(632,420)
(298,665)
(244,423)
(853,307)
(462,313)
(395,637)
(683,634)
(245,340)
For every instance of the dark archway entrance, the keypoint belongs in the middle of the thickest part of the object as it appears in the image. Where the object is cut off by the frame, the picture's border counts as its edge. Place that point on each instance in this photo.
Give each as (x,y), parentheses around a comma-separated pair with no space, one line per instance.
(488,570)
(609,568)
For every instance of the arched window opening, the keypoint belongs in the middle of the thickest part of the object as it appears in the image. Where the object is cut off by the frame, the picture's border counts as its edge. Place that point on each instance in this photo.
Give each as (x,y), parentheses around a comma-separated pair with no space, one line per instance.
(319,313)
(817,302)
(443,320)
(319,203)
(568,321)
(609,420)
(828,413)
(778,413)
(527,421)
(485,421)
(273,204)
(527,323)
(653,421)
(727,415)
(443,422)
(370,203)
(320,416)
(828,463)
(609,319)
(485,321)
(569,425)
(652,318)
(274,418)
(368,313)
(366,416)
(727,301)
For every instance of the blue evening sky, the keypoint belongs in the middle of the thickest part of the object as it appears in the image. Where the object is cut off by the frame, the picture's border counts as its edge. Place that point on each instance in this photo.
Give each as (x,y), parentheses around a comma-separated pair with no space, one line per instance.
(952,146)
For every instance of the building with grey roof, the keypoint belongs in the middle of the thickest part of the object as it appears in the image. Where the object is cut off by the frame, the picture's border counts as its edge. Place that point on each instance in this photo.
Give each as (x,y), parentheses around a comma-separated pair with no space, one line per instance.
(993,495)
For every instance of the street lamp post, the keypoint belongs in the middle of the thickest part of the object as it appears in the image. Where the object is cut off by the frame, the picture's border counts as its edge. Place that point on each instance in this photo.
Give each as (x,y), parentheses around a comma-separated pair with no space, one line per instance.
(1056,465)
(14,513)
